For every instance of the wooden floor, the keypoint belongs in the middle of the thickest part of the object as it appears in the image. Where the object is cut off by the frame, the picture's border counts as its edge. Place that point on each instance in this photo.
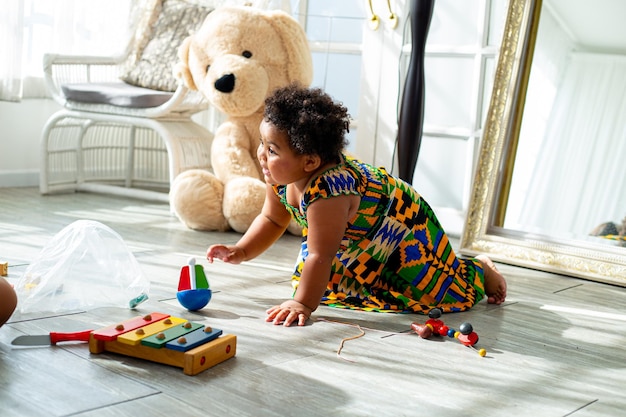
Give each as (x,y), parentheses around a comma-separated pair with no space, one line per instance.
(555,348)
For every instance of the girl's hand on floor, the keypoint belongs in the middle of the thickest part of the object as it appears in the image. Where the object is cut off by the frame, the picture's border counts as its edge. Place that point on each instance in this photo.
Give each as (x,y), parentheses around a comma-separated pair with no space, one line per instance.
(289,312)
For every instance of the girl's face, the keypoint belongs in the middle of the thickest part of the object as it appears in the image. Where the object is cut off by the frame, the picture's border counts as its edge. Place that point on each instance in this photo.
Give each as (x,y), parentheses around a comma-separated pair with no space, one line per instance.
(280,164)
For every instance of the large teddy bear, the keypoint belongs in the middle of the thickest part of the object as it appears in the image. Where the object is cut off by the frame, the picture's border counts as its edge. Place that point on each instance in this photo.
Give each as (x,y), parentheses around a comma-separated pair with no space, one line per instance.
(237,58)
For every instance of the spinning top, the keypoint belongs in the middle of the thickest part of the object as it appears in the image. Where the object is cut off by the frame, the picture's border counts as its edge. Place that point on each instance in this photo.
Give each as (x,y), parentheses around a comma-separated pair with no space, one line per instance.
(193,288)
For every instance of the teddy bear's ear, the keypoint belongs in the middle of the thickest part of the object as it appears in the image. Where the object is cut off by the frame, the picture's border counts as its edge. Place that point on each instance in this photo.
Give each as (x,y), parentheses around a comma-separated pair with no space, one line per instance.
(293,37)
(181,68)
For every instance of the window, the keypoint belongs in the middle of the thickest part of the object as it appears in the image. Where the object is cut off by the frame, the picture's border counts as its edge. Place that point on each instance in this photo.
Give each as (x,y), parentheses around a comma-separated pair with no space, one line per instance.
(334,30)
(31,28)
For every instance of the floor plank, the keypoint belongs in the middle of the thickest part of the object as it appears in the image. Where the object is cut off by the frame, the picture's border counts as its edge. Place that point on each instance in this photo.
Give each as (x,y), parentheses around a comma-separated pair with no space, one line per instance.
(554,348)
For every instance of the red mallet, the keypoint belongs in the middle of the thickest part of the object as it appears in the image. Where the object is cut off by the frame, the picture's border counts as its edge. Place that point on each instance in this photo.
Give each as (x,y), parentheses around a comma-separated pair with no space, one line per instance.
(423,330)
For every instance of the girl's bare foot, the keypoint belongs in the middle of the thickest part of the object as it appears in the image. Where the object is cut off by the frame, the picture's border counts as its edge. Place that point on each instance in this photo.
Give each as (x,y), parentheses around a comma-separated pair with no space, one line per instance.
(495,284)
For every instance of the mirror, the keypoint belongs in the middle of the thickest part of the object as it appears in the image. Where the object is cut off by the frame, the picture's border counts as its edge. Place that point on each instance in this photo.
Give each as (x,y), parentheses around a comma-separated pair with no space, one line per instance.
(550,165)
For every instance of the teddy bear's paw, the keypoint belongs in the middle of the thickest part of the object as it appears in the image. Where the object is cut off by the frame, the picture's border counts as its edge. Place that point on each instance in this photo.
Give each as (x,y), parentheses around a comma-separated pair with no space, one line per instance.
(243,201)
(294,228)
(196,197)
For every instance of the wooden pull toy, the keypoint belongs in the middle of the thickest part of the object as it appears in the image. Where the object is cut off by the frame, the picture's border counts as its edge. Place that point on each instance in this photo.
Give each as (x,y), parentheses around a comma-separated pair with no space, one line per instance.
(434,326)
(193,287)
(468,337)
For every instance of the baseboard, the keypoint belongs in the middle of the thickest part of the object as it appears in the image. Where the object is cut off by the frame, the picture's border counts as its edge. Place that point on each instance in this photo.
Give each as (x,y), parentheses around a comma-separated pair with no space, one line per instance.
(23,178)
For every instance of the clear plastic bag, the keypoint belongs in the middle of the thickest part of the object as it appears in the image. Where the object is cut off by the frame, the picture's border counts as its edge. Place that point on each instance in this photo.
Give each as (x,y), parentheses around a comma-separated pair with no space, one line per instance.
(86,265)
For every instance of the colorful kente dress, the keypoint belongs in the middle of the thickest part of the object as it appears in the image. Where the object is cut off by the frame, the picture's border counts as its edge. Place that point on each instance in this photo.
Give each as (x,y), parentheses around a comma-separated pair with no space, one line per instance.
(394,256)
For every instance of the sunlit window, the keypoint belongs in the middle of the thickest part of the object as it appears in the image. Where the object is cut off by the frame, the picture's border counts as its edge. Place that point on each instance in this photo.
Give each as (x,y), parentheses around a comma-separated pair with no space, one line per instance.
(31,28)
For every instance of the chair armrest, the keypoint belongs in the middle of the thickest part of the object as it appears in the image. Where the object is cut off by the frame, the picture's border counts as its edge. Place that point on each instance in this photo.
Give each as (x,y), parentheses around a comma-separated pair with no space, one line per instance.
(63,69)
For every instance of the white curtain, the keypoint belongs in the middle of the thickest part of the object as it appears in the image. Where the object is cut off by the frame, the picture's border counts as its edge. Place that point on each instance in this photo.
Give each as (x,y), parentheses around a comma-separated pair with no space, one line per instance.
(11,23)
(30,28)
(552,52)
(578,182)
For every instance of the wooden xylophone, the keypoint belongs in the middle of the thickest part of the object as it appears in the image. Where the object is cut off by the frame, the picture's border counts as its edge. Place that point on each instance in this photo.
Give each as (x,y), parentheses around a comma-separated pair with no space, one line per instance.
(165,339)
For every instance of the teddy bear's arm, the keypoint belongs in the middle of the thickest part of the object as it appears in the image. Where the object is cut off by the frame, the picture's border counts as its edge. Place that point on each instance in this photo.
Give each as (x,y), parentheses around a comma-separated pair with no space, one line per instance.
(233,153)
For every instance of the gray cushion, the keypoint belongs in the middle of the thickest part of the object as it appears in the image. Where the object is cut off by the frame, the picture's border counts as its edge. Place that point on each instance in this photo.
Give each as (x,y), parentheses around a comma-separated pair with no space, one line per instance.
(116,93)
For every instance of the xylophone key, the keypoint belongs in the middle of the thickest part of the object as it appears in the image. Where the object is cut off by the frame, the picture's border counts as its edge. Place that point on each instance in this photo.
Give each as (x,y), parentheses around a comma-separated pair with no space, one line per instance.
(196,338)
(110,333)
(134,337)
(160,339)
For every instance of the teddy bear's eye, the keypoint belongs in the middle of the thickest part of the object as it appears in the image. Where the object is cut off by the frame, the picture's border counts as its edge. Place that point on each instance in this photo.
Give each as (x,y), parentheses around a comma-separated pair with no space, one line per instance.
(247,54)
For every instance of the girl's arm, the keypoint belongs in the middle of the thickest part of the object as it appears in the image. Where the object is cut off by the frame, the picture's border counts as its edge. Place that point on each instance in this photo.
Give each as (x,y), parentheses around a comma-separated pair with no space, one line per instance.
(266,228)
(327,220)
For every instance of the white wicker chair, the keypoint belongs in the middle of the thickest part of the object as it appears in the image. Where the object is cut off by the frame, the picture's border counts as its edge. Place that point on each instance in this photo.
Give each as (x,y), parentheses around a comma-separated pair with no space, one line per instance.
(113,149)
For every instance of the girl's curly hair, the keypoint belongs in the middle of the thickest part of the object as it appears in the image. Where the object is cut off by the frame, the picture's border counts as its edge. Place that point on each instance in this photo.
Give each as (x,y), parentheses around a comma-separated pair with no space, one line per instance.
(314,123)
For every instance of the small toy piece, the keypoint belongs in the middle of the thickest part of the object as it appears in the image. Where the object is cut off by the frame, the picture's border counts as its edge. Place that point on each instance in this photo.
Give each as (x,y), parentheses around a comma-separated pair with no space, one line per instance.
(424,331)
(434,321)
(468,337)
(193,287)
(481,352)
(433,325)
(133,303)
(4,269)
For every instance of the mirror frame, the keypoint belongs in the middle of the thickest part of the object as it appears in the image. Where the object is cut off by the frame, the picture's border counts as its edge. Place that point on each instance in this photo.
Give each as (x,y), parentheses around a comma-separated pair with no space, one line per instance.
(483,232)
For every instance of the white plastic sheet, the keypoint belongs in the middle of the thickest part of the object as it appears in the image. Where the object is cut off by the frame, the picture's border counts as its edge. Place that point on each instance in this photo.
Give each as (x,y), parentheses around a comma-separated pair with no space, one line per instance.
(86,265)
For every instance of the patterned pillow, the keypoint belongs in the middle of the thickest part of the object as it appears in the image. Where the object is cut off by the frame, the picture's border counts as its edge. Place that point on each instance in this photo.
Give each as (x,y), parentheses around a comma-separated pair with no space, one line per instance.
(160,32)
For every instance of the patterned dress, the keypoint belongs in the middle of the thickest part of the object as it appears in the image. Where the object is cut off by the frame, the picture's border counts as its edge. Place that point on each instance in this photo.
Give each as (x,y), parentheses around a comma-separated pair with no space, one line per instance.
(394,256)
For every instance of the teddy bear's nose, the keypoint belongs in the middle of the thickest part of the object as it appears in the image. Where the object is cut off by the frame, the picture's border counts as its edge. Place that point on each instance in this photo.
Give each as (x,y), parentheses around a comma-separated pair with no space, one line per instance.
(226,83)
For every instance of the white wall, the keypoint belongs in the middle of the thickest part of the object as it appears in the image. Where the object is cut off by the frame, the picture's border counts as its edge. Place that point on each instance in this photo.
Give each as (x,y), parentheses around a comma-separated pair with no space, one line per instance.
(21,125)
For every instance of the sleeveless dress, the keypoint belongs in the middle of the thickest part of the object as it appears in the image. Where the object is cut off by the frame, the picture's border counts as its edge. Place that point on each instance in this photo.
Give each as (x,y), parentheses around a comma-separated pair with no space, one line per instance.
(394,256)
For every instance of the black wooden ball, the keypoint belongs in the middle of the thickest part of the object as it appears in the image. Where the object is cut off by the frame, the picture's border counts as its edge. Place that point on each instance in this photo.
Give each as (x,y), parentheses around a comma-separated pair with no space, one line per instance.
(466,328)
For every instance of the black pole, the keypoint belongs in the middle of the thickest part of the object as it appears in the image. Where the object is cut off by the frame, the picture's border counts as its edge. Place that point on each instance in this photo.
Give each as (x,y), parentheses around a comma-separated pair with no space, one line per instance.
(410,123)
